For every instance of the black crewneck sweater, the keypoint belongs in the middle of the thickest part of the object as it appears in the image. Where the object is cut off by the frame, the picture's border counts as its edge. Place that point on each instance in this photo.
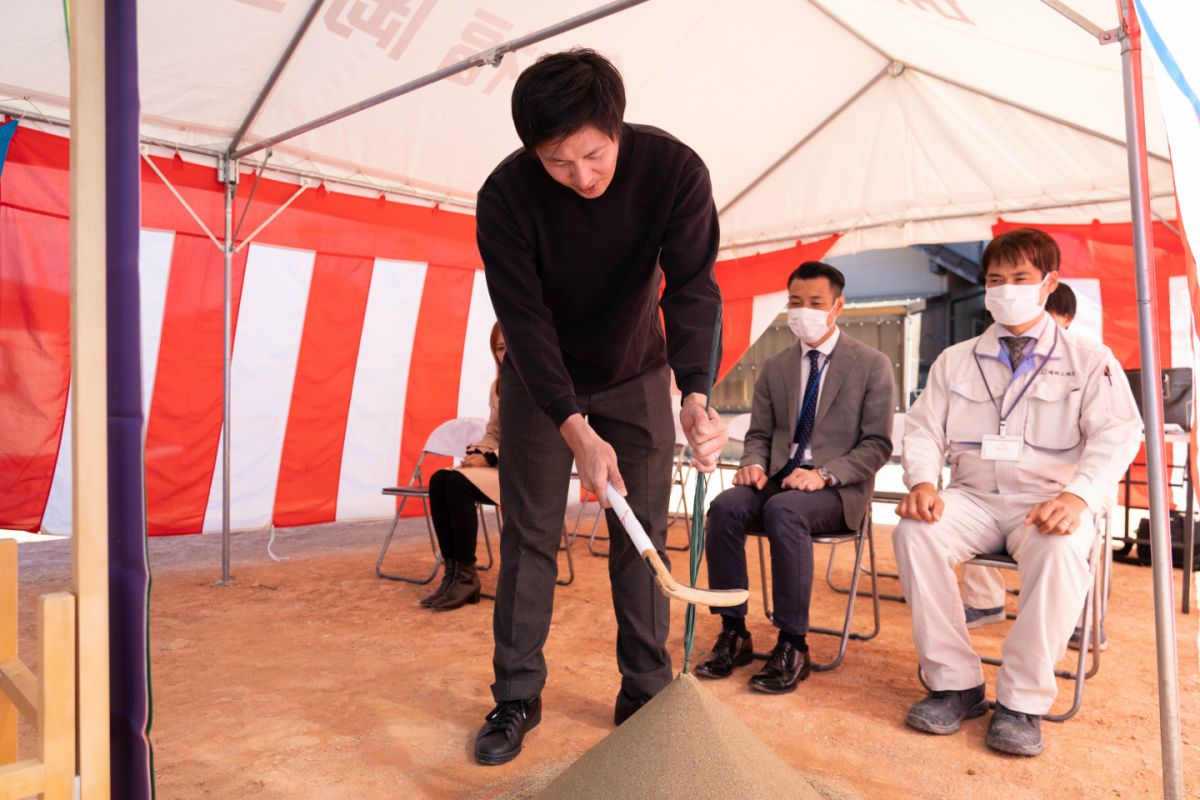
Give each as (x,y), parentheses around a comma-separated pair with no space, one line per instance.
(575,281)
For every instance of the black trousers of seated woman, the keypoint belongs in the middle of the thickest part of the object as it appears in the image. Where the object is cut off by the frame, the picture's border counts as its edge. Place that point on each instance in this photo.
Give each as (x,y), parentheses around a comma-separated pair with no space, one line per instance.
(452,500)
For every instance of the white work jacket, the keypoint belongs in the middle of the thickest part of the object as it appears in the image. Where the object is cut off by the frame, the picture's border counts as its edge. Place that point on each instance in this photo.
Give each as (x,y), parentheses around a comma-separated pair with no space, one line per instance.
(1077,421)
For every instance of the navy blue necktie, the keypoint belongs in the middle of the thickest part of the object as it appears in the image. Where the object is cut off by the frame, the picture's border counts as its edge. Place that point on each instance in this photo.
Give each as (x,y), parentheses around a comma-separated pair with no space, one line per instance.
(807,417)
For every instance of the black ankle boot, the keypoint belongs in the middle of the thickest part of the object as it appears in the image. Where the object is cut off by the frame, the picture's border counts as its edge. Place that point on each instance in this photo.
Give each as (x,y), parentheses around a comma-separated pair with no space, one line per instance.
(464,589)
(447,580)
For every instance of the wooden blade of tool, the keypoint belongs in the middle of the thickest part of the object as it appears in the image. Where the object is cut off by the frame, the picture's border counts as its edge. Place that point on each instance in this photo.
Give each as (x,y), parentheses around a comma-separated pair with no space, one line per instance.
(662,576)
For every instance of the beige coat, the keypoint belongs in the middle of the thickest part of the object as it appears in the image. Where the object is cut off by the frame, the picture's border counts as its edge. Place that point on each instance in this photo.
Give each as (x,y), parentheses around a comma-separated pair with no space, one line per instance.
(487,479)
(490,443)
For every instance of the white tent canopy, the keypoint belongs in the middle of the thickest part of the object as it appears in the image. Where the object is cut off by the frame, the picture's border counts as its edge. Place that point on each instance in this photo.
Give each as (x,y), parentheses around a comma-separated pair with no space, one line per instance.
(893,121)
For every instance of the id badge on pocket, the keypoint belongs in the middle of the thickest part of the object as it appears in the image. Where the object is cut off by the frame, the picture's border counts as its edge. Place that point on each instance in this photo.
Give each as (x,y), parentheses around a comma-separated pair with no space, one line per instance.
(1001,448)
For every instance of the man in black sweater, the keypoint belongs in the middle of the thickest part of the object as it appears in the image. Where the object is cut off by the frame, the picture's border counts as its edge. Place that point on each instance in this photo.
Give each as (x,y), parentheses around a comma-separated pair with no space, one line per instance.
(573,230)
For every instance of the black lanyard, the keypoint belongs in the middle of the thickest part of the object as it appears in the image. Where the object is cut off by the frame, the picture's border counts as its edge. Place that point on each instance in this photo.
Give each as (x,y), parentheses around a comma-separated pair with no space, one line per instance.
(1004,415)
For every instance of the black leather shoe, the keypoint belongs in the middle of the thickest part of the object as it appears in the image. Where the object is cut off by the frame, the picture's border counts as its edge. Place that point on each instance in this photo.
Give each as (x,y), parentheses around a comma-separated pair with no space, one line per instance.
(499,740)
(786,666)
(627,705)
(730,650)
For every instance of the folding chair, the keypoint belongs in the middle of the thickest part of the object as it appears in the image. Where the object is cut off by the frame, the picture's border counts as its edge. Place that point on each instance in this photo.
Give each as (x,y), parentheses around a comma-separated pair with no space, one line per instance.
(736,429)
(574,532)
(451,438)
(680,472)
(863,536)
(681,469)
(881,497)
(564,546)
(595,535)
(1092,609)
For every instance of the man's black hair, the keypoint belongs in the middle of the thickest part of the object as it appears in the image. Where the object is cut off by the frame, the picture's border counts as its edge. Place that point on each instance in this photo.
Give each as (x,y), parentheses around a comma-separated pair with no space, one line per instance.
(1062,301)
(1023,244)
(564,92)
(819,269)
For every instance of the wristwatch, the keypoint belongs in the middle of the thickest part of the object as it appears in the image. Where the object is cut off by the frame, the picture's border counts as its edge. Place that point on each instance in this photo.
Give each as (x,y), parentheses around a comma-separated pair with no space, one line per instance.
(826,476)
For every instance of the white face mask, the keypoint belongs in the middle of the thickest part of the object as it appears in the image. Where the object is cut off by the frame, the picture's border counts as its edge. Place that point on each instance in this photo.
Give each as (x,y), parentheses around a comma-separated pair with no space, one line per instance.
(1014,304)
(810,324)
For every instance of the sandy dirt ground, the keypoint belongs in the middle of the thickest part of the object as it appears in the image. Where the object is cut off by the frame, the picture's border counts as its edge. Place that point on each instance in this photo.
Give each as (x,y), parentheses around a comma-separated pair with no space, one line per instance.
(312,678)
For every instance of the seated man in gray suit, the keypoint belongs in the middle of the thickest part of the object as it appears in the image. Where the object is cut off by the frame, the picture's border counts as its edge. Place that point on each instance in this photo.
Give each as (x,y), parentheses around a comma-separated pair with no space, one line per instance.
(819,430)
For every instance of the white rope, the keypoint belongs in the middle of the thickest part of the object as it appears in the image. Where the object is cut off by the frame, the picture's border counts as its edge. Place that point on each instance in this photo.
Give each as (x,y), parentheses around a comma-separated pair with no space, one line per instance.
(271,542)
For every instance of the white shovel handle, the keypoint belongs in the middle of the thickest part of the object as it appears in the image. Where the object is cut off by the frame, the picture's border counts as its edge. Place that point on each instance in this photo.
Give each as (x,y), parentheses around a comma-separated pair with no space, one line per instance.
(629,520)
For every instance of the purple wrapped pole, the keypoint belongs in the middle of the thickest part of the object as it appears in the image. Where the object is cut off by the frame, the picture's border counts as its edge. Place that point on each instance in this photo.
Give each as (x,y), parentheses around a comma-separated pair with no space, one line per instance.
(128,568)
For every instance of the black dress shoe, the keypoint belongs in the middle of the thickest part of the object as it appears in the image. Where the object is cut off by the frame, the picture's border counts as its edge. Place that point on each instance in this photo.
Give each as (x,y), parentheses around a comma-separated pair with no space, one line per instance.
(730,650)
(499,740)
(786,666)
(626,706)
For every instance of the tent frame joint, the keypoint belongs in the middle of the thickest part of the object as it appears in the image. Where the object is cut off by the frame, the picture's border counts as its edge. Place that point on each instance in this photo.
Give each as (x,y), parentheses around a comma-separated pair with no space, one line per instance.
(492,57)
(227,169)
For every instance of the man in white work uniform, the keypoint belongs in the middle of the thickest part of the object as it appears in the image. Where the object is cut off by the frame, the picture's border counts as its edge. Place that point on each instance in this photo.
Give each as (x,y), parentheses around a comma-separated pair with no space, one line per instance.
(1038,427)
(983,587)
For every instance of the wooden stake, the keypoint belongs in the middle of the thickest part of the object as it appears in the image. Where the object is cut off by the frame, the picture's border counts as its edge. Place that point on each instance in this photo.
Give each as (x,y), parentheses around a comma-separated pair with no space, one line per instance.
(88,379)
(8,646)
(56,694)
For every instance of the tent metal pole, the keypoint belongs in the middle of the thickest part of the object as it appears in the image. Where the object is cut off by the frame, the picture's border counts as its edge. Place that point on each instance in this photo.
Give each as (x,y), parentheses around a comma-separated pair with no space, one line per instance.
(1152,405)
(229,174)
(276,72)
(777,163)
(492,56)
(893,222)
(1077,18)
(313,175)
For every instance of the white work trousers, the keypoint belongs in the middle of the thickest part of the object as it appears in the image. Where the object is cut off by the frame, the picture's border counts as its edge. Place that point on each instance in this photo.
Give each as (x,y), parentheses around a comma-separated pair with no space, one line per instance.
(983,587)
(1054,573)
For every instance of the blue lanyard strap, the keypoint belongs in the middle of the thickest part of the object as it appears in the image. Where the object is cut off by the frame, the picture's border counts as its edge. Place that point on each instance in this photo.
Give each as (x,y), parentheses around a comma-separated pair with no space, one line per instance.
(1004,415)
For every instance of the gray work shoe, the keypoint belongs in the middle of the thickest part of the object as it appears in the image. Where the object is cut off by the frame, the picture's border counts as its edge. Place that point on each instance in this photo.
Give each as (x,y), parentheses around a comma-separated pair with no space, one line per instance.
(942,712)
(1015,733)
(977,617)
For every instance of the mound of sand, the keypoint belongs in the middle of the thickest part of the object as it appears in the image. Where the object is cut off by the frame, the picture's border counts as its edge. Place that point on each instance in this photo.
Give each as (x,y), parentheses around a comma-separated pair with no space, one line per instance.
(682,744)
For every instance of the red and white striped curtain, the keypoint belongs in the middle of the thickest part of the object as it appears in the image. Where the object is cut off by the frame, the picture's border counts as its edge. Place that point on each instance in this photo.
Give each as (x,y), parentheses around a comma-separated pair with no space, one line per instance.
(360,325)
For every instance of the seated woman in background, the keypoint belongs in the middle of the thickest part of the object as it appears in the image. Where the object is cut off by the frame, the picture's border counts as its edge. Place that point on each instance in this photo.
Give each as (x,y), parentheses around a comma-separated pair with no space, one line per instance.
(452,498)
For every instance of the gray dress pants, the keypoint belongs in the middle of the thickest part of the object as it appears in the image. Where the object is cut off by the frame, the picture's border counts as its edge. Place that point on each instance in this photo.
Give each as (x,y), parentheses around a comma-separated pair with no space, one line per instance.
(635,418)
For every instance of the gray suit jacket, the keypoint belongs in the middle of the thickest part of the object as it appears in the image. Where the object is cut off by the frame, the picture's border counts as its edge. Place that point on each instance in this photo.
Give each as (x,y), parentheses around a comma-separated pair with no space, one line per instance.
(852,434)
